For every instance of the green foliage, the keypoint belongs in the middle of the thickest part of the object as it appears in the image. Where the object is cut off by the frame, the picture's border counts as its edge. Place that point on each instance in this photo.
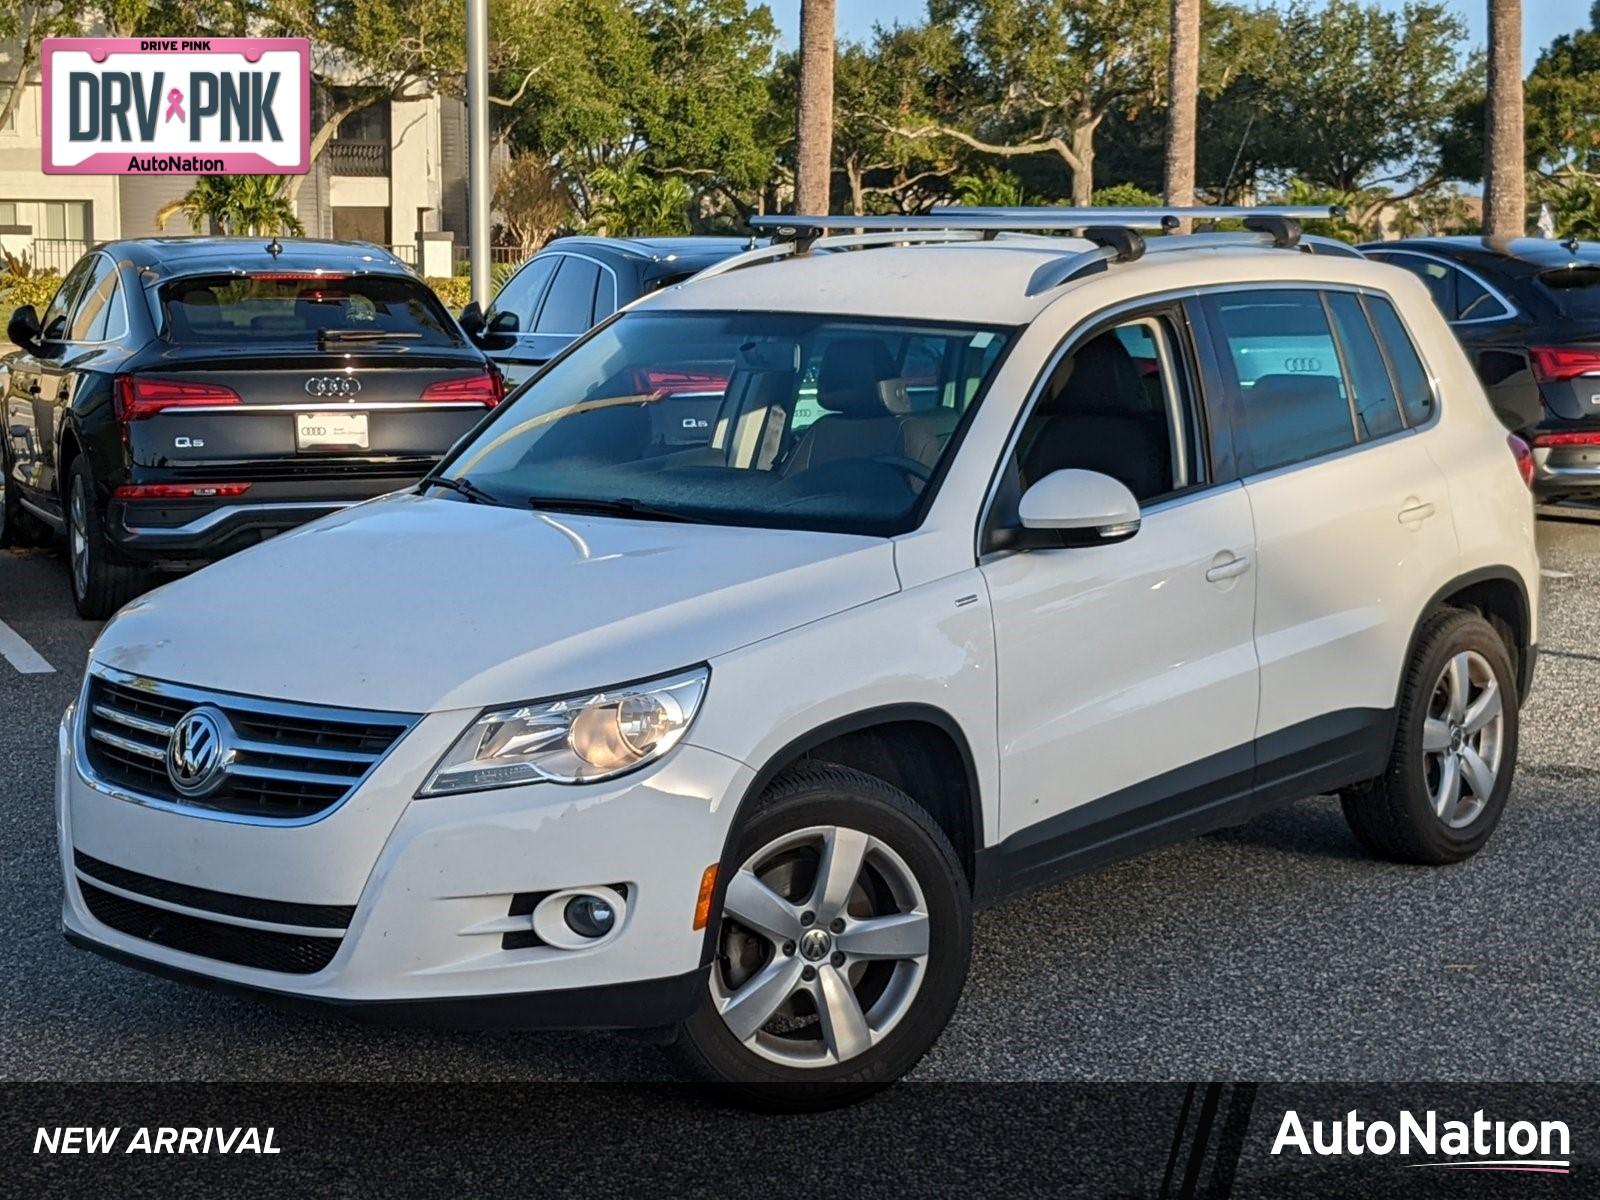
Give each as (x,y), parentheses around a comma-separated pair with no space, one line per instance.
(990,187)
(454,291)
(235,204)
(1359,207)
(26,287)
(1562,99)
(627,202)
(1126,195)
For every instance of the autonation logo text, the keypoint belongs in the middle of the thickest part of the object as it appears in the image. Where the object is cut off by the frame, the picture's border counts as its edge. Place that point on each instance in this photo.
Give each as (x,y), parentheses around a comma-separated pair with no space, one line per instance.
(1479,1144)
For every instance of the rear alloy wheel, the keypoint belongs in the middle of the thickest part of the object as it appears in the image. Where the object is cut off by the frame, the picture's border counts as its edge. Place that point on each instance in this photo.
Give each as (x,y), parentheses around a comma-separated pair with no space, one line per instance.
(1454,752)
(842,946)
(99,586)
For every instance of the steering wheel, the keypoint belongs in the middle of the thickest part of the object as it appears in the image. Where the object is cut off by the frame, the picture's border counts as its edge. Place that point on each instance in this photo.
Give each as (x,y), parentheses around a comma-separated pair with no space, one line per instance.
(909,467)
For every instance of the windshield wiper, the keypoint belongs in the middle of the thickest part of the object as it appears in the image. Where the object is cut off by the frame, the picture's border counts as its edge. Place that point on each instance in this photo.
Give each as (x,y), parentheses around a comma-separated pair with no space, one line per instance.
(622,507)
(462,486)
(324,336)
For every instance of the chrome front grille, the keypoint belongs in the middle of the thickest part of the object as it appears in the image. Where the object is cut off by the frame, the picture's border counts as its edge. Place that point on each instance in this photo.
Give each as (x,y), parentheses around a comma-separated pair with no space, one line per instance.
(283,761)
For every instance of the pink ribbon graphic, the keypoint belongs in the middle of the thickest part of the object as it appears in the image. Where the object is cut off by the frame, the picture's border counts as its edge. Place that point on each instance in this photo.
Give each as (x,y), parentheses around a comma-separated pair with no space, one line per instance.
(175,105)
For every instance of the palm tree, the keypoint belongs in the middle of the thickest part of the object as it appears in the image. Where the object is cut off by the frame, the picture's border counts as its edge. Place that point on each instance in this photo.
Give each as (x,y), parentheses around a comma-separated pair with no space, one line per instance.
(1505,180)
(235,204)
(1183,83)
(813,156)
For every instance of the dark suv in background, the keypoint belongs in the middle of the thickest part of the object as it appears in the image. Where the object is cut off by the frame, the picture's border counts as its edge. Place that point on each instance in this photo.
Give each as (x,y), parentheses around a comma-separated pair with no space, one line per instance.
(1527,313)
(575,283)
(182,398)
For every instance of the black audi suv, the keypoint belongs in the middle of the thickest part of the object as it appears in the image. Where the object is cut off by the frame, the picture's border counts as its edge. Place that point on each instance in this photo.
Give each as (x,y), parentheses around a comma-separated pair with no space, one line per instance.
(182,398)
(577,282)
(1527,312)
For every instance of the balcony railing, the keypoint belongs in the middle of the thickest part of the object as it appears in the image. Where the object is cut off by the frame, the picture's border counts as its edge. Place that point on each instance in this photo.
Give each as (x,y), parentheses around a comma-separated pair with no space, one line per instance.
(406,252)
(351,157)
(56,254)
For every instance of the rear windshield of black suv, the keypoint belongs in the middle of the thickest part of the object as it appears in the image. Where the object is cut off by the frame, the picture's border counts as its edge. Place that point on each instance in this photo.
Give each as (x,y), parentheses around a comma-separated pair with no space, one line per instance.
(303,308)
(1576,289)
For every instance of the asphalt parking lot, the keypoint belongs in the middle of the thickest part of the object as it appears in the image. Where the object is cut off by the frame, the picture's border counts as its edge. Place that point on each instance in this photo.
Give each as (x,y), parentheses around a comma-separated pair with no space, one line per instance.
(1275,951)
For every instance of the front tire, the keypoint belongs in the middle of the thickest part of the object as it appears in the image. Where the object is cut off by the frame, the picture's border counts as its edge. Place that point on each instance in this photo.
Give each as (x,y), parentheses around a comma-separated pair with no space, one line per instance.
(842,945)
(99,586)
(1455,748)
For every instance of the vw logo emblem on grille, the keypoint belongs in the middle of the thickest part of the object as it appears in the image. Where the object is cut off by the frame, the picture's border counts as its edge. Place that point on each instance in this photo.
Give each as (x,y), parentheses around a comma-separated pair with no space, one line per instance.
(199,751)
(332,385)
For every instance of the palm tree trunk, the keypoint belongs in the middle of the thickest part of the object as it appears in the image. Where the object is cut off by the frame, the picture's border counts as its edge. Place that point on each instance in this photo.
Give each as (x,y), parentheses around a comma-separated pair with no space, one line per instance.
(814,123)
(1505,172)
(1183,81)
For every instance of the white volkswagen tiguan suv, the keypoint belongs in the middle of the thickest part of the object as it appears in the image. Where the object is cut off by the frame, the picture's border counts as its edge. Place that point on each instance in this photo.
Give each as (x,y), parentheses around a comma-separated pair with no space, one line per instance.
(1004,557)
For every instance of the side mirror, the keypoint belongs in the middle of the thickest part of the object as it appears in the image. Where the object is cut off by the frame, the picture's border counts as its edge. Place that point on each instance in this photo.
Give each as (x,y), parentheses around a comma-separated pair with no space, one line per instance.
(505,322)
(1077,508)
(471,319)
(23,328)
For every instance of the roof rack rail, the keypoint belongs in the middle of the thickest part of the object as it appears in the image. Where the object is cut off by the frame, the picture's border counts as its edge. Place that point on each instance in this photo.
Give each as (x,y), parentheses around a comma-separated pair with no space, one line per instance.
(1113,232)
(1152,217)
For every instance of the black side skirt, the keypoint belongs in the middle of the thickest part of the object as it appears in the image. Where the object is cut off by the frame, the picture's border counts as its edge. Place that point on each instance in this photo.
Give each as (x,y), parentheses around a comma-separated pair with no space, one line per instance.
(1320,755)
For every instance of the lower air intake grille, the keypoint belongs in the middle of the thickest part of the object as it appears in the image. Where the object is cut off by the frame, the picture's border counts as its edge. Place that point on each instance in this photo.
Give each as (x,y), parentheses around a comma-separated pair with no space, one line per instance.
(292,954)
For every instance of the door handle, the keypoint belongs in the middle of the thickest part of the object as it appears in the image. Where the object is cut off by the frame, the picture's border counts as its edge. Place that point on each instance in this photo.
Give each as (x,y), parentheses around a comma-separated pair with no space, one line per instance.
(1237,565)
(1416,511)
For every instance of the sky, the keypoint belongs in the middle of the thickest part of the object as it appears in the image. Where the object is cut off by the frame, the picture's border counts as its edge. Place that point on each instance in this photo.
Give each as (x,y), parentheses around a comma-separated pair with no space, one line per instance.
(1542,20)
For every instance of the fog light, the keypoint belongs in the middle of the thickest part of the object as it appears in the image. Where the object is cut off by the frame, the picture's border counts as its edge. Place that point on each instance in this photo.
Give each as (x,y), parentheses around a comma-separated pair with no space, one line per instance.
(590,916)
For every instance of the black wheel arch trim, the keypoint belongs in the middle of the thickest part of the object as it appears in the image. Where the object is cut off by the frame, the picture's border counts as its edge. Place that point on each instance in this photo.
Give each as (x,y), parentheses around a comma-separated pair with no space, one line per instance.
(1526,654)
(867,718)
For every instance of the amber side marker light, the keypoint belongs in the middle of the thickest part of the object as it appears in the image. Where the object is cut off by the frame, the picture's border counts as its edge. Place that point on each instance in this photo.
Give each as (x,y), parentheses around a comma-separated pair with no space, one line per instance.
(702,906)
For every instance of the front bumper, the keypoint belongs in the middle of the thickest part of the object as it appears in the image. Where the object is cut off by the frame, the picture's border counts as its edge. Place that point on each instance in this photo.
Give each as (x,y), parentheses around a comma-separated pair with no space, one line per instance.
(431,888)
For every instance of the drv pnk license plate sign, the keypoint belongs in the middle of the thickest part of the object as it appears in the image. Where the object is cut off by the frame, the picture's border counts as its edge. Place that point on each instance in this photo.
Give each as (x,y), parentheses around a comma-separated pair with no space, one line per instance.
(330,431)
(162,106)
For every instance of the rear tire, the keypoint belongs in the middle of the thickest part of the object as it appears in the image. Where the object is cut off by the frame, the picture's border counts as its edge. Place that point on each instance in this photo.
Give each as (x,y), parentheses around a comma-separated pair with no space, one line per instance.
(831,991)
(1455,748)
(99,586)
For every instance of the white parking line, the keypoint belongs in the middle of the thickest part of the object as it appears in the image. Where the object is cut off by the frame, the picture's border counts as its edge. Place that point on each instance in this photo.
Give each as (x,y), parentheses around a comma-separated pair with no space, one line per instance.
(19,654)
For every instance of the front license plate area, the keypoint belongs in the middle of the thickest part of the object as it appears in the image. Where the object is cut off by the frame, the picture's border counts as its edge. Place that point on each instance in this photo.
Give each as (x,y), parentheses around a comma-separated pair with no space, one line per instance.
(330,431)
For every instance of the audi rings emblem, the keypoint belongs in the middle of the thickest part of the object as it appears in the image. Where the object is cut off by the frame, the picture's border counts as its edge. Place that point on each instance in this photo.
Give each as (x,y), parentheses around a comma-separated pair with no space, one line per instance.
(1303,366)
(199,751)
(333,385)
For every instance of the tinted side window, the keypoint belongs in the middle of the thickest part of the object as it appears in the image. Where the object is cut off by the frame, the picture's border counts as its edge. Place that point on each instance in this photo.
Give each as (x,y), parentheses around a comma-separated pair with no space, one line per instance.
(66,295)
(521,294)
(605,297)
(569,306)
(1294,398)
(95,307)
(1377,412)
(1103,409)
(1439,279)
(1416,395)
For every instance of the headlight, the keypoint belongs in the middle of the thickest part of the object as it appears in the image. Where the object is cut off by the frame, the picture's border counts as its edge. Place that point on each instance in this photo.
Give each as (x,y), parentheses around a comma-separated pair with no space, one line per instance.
(576,739)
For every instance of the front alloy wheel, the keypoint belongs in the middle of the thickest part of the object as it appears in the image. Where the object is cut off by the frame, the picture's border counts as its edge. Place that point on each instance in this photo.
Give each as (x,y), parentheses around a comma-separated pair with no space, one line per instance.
(824,946)
(841,947)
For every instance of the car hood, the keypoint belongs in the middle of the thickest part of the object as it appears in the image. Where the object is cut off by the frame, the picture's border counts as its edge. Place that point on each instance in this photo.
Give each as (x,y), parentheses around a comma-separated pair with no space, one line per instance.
(416,604)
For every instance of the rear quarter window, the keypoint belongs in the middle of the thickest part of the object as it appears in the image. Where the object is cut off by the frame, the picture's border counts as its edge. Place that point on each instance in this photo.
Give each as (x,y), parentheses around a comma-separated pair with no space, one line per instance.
(1410,376)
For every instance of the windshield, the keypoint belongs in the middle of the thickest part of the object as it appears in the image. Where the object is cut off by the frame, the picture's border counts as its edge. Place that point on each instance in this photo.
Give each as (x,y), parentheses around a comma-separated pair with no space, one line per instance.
(304,309)
(779,420)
